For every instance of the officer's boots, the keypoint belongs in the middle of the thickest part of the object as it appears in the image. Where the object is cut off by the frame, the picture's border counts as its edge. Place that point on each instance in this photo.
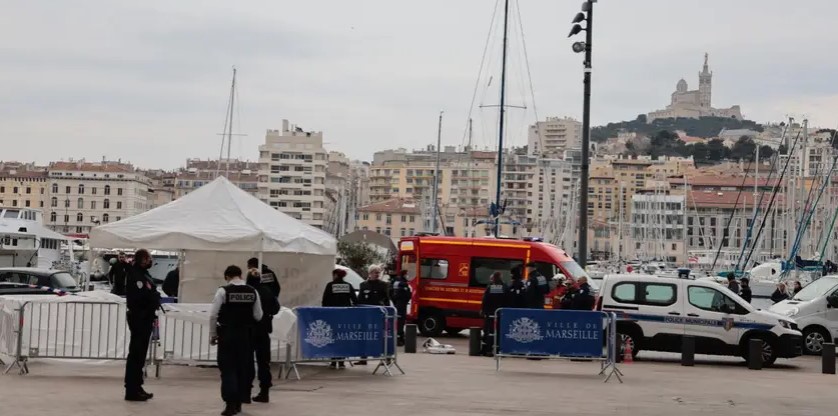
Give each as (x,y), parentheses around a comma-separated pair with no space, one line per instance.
(230,409)
(263,396)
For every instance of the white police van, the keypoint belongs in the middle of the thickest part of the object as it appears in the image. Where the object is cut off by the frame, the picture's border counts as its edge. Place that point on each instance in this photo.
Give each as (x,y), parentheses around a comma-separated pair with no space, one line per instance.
(655,313)
(815,309)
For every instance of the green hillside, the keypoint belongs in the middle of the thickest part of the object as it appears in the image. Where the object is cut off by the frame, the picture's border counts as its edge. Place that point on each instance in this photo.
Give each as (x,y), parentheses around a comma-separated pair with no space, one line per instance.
(701,127)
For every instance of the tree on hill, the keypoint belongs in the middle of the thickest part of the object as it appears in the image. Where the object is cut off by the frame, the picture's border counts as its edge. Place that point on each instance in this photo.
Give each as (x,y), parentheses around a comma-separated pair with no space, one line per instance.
(700,127)
(744,148)
(765,151)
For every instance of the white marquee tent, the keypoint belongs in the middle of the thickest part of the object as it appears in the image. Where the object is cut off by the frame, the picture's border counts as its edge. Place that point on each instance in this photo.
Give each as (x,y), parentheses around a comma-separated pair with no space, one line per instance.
(218,225)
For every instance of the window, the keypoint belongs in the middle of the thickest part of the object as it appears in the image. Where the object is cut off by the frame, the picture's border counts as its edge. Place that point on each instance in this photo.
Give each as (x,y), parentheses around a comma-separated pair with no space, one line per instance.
(67,203)
(80,203)
(92,204)
(66,219)
(107,189)
(119,205)
(52,217)
(27,203)
(67,189)
(79,217)
(482,269)
(105,217)
(652,294)
(378,217)
(625,293)
(15,190)
(106,204)
(710,299)
(404,218)
(118,218)
(366,217)
(81,188)
(434,269)
(93,190)
(28,190)
(660,294)
(119,191)
(55,188)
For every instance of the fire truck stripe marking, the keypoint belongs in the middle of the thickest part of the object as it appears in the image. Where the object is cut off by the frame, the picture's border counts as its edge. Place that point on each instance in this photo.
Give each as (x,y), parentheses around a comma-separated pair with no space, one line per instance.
(458,243)
(478,302)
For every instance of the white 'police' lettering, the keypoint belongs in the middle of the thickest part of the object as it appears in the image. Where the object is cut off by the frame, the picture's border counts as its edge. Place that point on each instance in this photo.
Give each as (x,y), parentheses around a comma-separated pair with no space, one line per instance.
(241,297)
(341,288)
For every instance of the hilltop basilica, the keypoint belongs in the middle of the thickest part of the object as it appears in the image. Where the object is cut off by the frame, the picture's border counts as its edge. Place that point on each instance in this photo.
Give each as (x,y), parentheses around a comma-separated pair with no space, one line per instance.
(695,103)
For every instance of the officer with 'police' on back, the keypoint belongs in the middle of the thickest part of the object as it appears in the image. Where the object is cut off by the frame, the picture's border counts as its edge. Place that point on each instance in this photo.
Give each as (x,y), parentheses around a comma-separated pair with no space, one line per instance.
(235,310)
(495,297)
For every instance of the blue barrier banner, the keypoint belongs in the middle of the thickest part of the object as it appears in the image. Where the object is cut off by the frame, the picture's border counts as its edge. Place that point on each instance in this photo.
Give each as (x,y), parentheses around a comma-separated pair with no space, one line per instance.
(551,332)
(343,332)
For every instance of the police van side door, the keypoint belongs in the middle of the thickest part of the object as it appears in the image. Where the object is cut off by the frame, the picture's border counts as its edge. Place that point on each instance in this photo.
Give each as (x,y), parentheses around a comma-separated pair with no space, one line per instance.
(711,318)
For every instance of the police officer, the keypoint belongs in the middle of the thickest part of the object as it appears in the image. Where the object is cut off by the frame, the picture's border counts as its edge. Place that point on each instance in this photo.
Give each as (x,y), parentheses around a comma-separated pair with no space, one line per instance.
(268,276)
(494,298)
(118,274)
(235,310)
(583,299)
(339,294)
(400,294)
(517,289)
(537,287)
(261,341)
(142,300)
(373,292)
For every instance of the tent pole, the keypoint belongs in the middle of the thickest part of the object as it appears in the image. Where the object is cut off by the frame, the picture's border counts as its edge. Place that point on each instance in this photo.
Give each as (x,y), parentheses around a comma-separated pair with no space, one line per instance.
(181,261)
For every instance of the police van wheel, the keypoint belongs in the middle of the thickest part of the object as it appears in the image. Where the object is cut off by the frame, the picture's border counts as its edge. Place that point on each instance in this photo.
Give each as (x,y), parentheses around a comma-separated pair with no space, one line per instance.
(769,350)
(813,340)
(431,325)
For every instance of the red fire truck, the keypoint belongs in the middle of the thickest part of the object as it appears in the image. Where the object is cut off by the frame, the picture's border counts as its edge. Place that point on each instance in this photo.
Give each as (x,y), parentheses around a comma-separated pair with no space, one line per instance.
(453,273)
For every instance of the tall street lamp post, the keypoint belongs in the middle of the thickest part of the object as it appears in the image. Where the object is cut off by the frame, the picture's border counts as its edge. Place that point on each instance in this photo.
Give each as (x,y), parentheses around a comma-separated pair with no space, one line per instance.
(586,15)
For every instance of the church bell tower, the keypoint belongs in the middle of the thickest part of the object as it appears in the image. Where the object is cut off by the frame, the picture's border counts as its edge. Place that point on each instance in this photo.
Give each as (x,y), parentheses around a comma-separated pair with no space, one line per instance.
(705,85)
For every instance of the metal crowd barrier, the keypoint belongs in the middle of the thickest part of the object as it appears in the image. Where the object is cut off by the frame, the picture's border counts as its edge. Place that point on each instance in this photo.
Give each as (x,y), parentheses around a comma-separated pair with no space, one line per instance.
(386,361)
(528,330)
(84,330)
(185,339)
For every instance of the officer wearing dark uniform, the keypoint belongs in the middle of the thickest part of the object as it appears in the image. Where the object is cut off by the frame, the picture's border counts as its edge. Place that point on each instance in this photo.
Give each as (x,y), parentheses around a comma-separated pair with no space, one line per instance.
(268,276)
(517,290)
(118,275)
(339,294)
(495,297)
(373,292)
(261,341)
(583,299)
(235,310)
(537,288)
(400,295)
(142,300)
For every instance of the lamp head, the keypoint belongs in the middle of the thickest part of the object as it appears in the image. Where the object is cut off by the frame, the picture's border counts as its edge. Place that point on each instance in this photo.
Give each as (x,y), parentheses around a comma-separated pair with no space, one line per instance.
(578,47)
(575,30)
(580,17)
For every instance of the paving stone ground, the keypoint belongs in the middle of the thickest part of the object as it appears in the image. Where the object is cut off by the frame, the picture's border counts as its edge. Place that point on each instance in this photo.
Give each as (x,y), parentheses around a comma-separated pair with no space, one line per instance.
(451,385)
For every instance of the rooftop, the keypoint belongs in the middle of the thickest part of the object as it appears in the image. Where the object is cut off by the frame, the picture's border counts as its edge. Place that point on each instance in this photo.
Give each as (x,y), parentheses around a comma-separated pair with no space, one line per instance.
(393,206)
(82,166)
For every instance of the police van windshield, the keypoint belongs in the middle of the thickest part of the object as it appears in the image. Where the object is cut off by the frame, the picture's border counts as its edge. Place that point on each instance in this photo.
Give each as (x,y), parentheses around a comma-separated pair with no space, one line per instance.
(816,289)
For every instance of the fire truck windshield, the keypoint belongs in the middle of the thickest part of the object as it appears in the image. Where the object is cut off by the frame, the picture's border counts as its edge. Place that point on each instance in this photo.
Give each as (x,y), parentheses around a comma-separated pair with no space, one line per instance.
(576,271)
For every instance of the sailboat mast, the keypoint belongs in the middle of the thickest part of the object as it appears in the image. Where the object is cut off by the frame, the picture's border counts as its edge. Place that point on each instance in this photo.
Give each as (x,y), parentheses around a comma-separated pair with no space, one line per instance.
(230,123)
(435,189)
(501,114)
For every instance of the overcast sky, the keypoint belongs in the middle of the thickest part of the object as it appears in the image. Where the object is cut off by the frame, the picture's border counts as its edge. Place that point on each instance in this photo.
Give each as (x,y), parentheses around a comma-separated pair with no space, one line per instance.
(148,82)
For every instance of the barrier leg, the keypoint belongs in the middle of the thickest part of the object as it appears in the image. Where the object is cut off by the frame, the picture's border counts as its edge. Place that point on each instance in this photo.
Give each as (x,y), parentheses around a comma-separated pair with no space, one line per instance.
(828,358)
(410,339)
(474,341)
(688,351)
(755,354)
(289,366)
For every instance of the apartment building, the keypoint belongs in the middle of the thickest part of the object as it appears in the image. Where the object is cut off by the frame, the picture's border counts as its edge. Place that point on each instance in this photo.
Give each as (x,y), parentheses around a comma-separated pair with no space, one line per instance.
(198,173)
(85,194)
(394,218)
(554,136)
(292,173)
(23,185)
